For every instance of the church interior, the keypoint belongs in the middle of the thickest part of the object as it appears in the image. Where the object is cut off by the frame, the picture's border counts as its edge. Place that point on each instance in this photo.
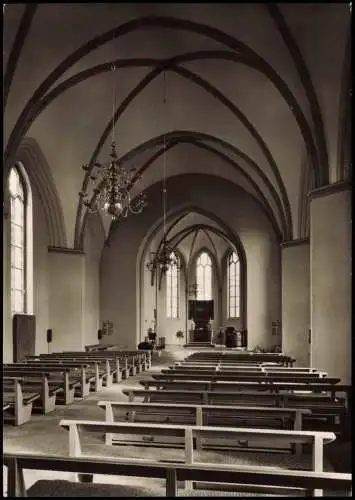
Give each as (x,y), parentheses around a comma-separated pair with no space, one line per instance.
(177,249)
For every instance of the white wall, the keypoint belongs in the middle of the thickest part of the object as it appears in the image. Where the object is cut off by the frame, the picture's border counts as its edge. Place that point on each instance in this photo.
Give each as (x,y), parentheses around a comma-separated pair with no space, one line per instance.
(66,299)
(7,318)
(241,213)
(40,274)
(93,243)
(331,283)
(296,302)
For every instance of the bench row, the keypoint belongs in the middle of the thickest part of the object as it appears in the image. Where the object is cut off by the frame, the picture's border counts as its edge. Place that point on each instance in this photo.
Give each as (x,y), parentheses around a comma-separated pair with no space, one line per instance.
(45,381)
(306,481)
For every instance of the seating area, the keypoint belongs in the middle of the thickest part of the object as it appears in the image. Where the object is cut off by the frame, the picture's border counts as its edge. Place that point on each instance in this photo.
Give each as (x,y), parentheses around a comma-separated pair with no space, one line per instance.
(288,412)
(40,383)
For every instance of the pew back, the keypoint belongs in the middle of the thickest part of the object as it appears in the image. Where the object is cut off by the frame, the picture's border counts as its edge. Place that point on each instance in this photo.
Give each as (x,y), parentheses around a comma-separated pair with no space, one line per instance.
(172,473)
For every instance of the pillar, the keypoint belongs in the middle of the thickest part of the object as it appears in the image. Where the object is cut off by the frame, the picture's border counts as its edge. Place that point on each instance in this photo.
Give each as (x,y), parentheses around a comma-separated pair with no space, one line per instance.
(66,298)
(7,316)
(295,300)
(330,261)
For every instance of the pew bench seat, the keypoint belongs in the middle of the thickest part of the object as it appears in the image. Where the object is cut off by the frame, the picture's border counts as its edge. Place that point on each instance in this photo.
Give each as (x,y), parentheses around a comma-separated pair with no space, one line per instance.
(235,386)
(96,370)
(331,410)
(307,481)
(76,382)
(188,437)
(37,383)
(214,415)
(18,401)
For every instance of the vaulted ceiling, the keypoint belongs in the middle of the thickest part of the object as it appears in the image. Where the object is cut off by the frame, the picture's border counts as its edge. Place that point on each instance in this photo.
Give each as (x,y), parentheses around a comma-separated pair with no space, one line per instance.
(253,94)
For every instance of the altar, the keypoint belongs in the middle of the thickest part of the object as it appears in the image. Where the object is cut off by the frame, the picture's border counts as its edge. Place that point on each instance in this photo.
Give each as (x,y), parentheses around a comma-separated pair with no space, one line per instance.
(201,312)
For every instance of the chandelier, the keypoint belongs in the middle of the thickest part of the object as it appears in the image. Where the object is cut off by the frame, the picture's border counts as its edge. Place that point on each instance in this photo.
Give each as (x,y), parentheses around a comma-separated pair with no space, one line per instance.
(193,290)
(165,256)
(113,182)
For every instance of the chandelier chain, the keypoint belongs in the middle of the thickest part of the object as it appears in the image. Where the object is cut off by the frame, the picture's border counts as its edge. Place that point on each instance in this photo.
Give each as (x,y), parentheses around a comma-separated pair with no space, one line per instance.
(165,159)
(113,69)
(114,180)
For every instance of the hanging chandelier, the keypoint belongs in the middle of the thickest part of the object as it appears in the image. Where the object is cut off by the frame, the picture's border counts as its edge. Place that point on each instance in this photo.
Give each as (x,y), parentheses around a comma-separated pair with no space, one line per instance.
(113,183)
(193,290)
(165,256)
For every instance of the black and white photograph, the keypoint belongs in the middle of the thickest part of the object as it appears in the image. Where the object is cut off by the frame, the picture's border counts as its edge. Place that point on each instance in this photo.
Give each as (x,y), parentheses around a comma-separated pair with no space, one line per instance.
(177,249)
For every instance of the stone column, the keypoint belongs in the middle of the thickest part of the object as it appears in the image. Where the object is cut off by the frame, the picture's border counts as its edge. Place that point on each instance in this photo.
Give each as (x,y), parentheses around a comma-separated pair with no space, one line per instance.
(295,300)
(330,218)
(7,316)
(66,298)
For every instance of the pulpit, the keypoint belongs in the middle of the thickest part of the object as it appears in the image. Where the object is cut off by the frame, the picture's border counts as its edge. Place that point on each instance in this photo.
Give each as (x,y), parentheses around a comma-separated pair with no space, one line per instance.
(201,312)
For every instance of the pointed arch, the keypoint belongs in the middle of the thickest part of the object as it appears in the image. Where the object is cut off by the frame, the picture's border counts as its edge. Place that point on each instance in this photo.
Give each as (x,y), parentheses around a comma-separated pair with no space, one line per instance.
(39,174)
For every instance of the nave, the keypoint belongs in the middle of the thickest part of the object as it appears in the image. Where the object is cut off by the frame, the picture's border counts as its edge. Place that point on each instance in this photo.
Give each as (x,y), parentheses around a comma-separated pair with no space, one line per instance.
(177,178)
(243,434)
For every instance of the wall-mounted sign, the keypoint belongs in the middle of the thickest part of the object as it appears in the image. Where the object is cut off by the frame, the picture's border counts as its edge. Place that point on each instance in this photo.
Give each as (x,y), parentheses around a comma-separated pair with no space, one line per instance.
(107,327)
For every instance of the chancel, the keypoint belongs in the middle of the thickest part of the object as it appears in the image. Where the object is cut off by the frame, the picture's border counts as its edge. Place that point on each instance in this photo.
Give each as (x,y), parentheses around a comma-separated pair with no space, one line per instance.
(177,249)
(201,312)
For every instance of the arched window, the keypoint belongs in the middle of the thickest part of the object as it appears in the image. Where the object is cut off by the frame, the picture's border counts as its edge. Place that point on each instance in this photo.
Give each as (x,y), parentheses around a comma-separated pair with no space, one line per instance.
(18,241)
(172,287)
(233,286)
(204,277)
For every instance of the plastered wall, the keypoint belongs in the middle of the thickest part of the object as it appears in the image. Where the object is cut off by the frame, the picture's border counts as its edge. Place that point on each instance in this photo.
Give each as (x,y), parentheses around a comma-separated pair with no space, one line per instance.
(93,243)
(66,300)
(331,307)
(296,302)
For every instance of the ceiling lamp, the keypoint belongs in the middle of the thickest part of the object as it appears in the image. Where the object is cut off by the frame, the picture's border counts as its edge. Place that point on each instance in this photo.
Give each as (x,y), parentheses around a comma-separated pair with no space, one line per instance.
(193,290)
(114,181)
(165,256)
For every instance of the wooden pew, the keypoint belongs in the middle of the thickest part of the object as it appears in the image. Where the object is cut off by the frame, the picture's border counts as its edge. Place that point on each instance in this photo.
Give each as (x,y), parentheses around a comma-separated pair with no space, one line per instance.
(140,359)
(36,382)
(173,473)
(232,368)
(248,367)
(145,353)
(97,347)
(63,376)
(243,376)
(119,366)
(213,415)
(134,362)
(244,357)
(17,403)
(218,376)
(326,410)
(222,437)
(97,370)
(266,384)
(88,372)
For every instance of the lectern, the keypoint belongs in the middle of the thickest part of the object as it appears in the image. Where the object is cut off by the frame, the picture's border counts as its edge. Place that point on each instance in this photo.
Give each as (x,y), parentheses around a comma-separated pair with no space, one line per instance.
(201,312)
